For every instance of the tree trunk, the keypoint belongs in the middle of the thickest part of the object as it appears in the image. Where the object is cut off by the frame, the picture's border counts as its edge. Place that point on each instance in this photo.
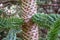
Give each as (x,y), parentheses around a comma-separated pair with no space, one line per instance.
(30,29)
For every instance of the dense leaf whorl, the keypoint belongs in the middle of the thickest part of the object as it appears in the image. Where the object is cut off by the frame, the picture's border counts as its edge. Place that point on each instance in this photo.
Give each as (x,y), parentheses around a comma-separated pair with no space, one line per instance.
(10,22)
(53,33)
(51,21)
(45,20)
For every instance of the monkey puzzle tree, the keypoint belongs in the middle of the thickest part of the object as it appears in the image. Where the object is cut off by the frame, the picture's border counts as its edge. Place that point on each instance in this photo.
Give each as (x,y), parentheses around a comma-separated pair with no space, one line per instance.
(30,29)
(10,20)
(50,21)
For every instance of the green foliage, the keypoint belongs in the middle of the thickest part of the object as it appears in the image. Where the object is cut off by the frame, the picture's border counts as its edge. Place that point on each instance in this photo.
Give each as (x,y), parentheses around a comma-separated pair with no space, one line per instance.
(13,24)
(53,33)
(45,20)
(1,11)
(51,21)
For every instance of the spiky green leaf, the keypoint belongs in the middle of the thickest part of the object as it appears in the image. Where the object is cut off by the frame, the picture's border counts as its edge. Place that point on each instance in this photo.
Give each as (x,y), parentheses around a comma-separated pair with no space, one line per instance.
(53,33)
(45,20)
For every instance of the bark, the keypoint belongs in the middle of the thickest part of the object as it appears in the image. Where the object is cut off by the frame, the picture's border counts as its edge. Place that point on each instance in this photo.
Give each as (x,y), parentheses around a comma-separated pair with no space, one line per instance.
(30,29)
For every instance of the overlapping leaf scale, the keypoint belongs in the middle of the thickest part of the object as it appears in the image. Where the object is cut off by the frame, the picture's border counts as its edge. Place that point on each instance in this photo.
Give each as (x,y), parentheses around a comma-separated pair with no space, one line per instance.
(53,33)
(11,22)
(45,20)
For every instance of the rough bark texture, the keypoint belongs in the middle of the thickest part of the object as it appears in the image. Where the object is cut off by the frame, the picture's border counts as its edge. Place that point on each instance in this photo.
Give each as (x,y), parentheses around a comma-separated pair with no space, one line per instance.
(30,29)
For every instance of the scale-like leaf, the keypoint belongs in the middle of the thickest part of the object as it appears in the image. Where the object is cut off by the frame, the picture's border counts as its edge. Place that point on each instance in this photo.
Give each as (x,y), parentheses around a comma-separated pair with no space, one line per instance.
(12,22)
(45,20)
(53,33)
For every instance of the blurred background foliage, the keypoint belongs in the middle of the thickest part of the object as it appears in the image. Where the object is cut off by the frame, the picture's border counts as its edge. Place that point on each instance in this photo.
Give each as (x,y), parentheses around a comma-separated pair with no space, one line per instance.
(6,33)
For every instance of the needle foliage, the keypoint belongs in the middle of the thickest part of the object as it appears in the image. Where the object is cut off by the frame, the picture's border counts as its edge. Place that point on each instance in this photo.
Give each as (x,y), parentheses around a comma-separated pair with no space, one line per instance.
(50,21)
